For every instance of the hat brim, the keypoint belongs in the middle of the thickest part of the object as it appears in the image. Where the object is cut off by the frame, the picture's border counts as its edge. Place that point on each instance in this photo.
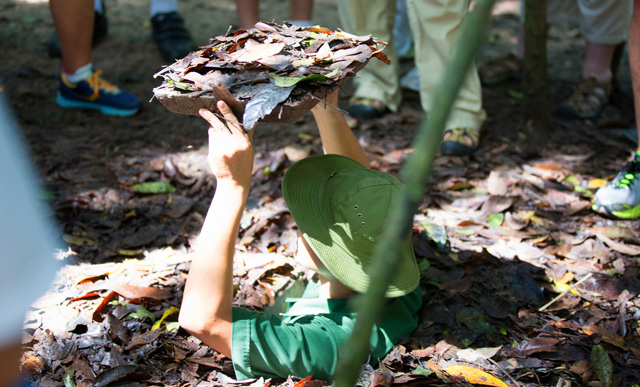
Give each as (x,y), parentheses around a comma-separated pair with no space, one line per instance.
(303,187)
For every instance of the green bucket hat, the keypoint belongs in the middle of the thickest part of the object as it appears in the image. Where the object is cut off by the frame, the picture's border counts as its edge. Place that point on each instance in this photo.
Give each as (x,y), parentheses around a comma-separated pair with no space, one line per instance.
(341,209)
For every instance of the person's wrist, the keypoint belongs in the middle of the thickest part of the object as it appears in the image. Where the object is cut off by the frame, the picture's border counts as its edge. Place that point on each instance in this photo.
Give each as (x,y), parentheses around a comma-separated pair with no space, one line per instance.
(231,184)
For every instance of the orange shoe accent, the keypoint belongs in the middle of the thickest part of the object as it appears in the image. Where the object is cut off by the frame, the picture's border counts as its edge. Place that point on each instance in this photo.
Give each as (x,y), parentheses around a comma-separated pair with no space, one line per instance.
(96,84)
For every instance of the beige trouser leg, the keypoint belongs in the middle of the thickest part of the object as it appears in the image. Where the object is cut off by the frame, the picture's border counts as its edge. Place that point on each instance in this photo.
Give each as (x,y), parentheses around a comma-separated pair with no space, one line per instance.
(605,21)
(601,21)
(435,26)
(376,17)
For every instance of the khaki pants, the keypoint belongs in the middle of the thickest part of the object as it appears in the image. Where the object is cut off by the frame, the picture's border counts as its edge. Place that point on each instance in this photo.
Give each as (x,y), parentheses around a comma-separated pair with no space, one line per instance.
(435,26)
(600,21)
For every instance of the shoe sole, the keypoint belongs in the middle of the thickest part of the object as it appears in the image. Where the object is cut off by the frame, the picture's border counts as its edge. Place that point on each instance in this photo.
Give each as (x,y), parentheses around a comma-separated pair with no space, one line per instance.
(108,110)
(631,213)
(365,112)
(452,148)
(567,111)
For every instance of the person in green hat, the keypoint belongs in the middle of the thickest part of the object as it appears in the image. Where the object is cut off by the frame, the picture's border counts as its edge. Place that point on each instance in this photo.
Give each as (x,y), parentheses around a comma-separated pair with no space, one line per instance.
(340,207)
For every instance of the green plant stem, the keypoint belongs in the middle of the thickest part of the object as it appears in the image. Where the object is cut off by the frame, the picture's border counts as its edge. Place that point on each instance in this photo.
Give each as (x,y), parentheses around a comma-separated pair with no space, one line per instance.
(414,175)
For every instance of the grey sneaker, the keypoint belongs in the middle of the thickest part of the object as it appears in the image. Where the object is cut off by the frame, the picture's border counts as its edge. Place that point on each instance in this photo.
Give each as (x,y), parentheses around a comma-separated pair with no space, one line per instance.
(621,197)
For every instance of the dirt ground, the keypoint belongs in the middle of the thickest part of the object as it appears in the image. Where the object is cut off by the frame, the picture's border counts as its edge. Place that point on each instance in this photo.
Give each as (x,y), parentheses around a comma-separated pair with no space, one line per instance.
(549,237)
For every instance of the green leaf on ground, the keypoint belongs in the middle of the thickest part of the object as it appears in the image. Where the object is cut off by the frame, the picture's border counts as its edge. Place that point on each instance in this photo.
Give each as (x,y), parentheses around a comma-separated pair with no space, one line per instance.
(474,320)
(153,187)
(495,219)
(582,190)
(602,365)
(69,380)
(572,180)
(143,312)
(436,233)
(421,371)
(515,94)
(423,265)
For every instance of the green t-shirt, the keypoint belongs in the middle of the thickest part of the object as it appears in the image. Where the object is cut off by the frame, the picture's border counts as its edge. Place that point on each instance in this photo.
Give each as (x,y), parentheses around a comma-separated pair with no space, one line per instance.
(306,340)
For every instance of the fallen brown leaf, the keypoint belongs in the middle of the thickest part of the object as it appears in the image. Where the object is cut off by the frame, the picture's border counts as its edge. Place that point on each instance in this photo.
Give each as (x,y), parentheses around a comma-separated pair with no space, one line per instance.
(142,292)
(100,310)
(617,246)
(606,335)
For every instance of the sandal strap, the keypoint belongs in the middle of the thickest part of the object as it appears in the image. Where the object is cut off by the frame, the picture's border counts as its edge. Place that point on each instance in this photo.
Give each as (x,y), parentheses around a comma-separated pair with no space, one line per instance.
(590,93)
(459,134)
(364,101)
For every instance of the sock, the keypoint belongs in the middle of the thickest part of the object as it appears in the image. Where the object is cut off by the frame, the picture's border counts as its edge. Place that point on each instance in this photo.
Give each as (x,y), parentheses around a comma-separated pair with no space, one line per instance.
(301,23)
(163,6)
(21,383)
(97,6)
(81,74)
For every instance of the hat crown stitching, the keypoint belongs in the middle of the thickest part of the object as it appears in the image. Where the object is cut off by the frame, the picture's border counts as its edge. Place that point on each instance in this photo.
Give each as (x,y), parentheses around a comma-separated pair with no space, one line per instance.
(327,239)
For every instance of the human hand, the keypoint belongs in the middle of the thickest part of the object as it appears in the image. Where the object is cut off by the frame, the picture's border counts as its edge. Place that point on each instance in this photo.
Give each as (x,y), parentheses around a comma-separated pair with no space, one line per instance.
(230,147)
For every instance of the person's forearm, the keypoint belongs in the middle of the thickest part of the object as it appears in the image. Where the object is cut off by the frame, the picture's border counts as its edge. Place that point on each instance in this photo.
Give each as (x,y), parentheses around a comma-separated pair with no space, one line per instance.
(206,304)
(336,136)
(248,13)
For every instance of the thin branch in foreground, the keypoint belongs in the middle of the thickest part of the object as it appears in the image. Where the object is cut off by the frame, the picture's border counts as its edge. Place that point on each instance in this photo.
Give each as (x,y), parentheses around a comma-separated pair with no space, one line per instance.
(323,101)
(414,176)
(548,304)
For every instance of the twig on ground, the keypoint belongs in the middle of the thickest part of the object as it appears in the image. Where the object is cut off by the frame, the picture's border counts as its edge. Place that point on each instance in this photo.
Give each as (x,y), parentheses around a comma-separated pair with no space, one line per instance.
(515,382)
(548,304)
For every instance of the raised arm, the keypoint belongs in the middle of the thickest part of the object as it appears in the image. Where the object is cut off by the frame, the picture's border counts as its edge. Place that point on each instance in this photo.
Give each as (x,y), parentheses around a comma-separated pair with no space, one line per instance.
(337,137)
(208,293)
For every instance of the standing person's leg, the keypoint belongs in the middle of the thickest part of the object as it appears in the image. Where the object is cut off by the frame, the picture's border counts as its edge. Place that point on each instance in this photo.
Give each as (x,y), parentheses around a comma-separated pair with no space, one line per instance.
(604,24)
(100,30)
(621,197)
(300,12)
(377,85)
(436,28)
(74,23)
(510,66)
(248,13)
(597,61)
(171,37)
(81,87)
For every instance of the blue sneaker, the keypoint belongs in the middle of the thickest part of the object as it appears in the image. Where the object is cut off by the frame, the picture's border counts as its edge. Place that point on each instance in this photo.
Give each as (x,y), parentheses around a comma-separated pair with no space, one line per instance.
(95,93)
(621,197)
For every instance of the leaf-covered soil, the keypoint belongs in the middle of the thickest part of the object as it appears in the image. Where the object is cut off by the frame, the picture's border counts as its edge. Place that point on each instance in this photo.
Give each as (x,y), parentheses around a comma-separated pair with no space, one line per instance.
(499,234)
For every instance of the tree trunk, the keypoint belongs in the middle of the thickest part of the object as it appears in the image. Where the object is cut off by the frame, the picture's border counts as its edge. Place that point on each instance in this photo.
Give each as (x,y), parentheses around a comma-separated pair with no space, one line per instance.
(535,83)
